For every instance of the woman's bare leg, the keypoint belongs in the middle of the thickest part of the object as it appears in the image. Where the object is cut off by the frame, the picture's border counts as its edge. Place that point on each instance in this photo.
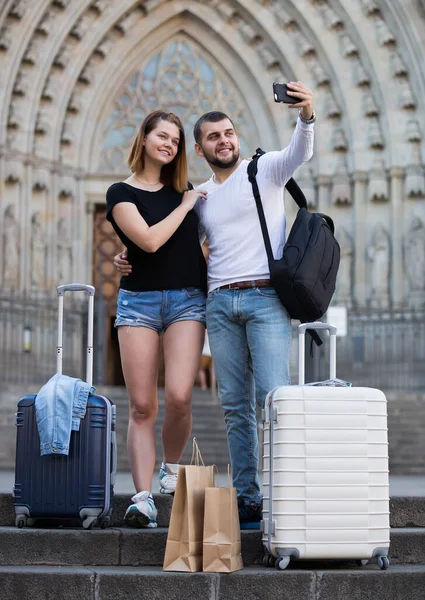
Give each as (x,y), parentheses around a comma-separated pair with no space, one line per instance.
(139,348)
(182,348)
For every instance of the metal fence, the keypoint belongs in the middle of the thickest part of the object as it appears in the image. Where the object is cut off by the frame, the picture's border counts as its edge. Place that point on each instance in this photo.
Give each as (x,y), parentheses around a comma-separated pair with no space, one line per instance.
(382,350)
(28,338)
(386,351)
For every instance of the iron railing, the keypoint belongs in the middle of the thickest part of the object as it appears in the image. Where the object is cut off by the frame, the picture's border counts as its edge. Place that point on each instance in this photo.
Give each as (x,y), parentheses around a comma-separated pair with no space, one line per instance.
(386,351)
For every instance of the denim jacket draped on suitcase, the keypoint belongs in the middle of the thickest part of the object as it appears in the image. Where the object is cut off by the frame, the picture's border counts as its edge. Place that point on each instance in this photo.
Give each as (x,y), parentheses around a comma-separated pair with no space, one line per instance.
(60,405)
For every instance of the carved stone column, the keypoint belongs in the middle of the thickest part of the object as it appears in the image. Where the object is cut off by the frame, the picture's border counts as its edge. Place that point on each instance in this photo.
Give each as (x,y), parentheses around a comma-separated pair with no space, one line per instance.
(397,218)
(360,215)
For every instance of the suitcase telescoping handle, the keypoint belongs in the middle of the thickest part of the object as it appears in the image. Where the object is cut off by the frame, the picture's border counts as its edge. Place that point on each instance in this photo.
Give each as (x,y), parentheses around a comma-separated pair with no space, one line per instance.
(301,348)
(89,289)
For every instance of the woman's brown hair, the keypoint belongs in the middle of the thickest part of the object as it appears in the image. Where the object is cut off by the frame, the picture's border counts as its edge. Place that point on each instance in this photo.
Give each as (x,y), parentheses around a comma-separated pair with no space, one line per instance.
(175,173)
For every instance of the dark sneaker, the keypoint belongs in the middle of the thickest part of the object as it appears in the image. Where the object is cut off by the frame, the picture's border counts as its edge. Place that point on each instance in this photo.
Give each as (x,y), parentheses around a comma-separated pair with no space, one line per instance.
(250,515)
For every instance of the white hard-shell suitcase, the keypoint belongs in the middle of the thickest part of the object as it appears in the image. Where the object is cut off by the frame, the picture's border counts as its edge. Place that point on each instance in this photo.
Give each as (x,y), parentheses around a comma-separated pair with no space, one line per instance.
(325,470)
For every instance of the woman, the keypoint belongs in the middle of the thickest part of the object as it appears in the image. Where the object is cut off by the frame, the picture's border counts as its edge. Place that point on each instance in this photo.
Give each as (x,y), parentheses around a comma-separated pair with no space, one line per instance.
(163,294)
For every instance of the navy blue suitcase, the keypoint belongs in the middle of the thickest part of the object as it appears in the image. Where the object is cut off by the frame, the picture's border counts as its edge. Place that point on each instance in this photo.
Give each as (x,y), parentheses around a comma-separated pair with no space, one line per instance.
(81,484)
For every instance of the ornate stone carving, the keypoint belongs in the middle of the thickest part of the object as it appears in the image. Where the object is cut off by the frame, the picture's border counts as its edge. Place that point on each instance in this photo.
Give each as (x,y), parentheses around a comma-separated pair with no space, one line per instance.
(32,53)
(74,105)
(43,124)
(269,60)
(14,171)
(127,22)
(49,90)
(99,5)
(45,25)
(413,132)
(331,107)
(103,48)
(376,139)
(397,66)
(370,108)
(11,246)
(344,283)
(339,142)
(226,10)
(68,135)
(378,188)
(41,180)
(341,184)
(319,74)
(64,252)
(87,75)
(407,100)
(303,44)
(385,36)
(81,27)
(370,7)
(67,187)
(249,34)
(18,8)
(16,115)
(284,18)
(378,255)
(5,39)
(414,259)
(415,182)
(62,57)
(22,84)
(360,77)
(61,3)
(348,47)
(331,17)
(38,249)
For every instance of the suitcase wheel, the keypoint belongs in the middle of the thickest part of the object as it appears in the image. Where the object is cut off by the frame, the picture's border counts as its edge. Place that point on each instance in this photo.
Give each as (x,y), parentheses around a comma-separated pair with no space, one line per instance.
(20,522)
(361,563)
(89,522)
(383,562)
(282,562)
(268,560)
(105,522)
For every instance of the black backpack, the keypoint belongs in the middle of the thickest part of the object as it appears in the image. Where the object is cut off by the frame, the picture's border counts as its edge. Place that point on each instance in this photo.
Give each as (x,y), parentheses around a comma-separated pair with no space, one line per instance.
(305,276)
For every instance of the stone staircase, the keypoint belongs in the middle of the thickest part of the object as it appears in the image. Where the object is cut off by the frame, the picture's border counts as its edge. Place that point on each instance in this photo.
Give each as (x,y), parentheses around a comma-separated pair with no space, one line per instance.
(121,563)
(208,427)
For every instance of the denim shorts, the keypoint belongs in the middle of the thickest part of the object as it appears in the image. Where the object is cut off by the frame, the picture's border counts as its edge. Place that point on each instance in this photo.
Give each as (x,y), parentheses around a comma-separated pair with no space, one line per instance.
(160,309)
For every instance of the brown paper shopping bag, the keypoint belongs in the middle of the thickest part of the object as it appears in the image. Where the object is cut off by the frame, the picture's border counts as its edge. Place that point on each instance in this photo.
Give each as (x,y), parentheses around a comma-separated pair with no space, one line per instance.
(183,551)
(222,534)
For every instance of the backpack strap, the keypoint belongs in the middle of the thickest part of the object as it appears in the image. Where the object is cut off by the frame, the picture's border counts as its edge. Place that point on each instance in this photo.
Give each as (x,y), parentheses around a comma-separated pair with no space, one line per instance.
(300,199)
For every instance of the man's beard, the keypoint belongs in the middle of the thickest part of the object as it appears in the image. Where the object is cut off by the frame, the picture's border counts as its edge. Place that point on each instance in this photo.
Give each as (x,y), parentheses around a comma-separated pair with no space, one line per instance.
(223,164)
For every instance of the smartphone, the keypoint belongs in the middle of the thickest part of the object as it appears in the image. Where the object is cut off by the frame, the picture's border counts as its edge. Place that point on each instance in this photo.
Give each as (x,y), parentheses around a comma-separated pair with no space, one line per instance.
(280,94)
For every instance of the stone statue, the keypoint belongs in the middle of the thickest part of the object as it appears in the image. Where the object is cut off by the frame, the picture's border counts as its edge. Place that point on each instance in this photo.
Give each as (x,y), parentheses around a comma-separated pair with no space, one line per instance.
(344,282)
(10,249)
(38,252)
(378,254)
(414,258)
(64,253)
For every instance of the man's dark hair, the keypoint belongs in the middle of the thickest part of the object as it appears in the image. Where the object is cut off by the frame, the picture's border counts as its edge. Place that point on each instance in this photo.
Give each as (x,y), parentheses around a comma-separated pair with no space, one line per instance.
(210,117)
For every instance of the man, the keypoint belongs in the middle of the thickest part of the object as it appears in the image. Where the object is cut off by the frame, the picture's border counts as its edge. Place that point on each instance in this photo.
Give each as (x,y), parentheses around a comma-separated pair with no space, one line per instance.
(249,329)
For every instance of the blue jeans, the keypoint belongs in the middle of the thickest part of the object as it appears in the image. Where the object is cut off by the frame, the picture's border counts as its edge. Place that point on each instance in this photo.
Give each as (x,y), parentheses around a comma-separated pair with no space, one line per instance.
(250,335)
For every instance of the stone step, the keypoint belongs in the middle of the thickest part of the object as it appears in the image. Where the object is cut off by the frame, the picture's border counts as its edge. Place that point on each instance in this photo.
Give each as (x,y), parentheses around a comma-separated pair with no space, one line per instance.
(259,583)
(404,512)
(146,547)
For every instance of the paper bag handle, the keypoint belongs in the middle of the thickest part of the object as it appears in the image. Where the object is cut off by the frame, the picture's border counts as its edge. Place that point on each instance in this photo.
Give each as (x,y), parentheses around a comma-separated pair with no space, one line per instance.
(196,454)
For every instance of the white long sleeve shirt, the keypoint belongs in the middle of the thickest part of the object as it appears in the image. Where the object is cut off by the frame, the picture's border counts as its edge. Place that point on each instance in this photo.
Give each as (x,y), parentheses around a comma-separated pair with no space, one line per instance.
(229,216)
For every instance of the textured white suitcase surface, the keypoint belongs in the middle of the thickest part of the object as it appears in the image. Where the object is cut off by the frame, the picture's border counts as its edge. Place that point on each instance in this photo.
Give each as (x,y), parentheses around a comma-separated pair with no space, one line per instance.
(325,474)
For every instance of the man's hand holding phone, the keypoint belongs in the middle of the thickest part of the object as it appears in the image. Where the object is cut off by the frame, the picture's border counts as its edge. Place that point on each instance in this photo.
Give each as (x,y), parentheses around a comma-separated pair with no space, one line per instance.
(296,95)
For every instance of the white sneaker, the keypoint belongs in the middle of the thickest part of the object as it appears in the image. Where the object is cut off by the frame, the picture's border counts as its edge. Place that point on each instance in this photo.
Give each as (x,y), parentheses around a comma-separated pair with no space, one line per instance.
(143,512)
(168,478)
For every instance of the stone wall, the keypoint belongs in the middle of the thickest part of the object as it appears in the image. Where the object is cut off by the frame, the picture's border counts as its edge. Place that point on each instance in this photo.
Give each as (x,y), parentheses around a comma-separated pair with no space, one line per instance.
(406,422)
